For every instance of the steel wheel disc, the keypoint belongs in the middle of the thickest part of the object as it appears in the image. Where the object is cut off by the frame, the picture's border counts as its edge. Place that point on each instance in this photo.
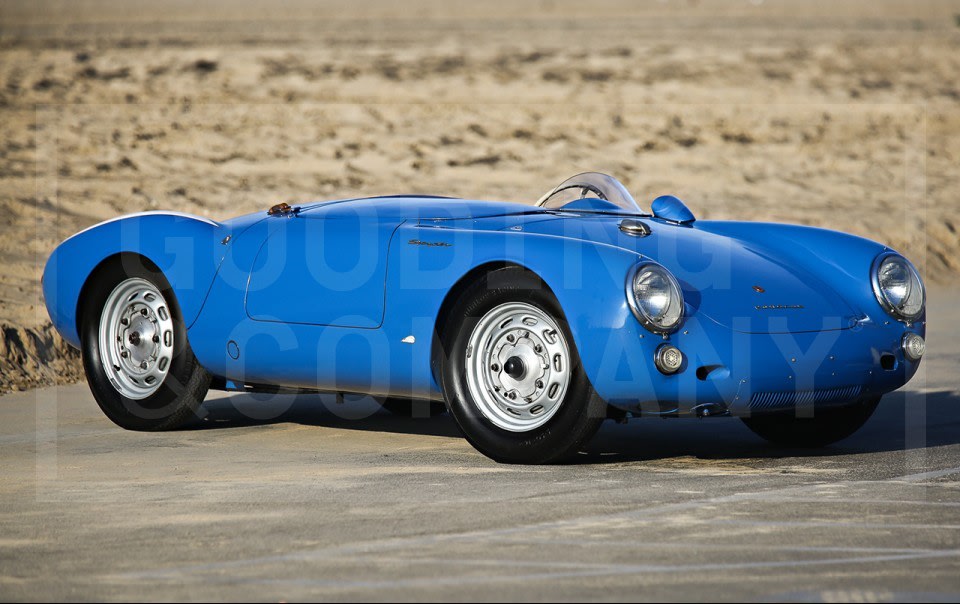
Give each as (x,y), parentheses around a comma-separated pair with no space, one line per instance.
(136,338)
(518,366)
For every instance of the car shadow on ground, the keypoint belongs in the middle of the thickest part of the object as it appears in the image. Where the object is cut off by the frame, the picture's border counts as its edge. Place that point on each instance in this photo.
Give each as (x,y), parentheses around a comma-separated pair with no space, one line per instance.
(321,410)
(904,420)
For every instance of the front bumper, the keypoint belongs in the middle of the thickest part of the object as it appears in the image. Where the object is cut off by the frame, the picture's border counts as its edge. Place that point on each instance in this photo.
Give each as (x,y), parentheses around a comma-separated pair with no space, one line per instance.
(748,373)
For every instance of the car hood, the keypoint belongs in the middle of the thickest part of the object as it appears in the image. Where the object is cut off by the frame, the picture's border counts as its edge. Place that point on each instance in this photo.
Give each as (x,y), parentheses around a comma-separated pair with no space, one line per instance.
(736,282)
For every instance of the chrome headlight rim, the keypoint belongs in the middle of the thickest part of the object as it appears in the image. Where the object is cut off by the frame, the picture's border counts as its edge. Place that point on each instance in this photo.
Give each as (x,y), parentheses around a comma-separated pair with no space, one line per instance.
(648,322)
(889,307)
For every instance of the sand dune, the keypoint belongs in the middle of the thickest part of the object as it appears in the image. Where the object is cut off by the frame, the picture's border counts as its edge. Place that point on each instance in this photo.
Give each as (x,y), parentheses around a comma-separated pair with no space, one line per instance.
(845,115)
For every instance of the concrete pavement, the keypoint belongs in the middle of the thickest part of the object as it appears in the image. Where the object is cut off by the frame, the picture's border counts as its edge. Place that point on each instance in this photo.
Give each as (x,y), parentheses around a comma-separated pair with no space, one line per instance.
(295,498)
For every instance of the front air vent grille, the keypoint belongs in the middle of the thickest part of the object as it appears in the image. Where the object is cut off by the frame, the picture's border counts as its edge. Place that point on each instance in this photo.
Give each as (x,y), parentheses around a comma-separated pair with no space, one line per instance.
(793,398)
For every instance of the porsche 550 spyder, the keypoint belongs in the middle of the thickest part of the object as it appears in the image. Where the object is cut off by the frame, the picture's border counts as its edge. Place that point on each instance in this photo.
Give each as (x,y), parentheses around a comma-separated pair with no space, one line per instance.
(530,324)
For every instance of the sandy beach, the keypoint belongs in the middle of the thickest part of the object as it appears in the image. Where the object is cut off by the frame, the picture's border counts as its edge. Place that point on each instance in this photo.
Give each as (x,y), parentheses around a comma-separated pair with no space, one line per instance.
(842,115)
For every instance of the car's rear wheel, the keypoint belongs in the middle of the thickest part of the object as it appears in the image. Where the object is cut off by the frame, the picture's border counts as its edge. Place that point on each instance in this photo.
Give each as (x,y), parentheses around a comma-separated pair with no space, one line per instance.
(511,374)
(405,407)
(138,362)
(826,426)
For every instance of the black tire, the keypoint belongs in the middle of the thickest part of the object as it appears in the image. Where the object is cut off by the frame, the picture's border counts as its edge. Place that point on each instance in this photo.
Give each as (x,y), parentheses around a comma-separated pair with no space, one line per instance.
(577,418)
(417,409)
(178,398)
(825,427)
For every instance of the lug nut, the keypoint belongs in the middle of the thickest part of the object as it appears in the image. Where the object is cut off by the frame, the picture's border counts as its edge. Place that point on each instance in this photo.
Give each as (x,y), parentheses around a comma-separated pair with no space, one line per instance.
(143,365)
(143,312)
(494,367)
(124,353)
(510,338)
(538,348)
(513,396)
(156,338)
(539,383)
(124,321)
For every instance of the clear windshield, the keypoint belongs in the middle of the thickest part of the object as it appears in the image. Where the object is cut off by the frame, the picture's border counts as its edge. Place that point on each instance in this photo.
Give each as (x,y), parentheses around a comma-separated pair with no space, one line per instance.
(590,184)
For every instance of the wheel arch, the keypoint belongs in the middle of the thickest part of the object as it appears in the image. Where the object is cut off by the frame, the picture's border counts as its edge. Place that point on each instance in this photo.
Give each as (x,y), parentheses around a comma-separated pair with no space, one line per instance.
(454,294)
(121,258)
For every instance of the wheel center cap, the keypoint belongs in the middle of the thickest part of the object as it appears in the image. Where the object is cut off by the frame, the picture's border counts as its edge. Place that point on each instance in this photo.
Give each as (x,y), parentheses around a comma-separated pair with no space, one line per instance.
(141,339)
(522,368)
(515,368)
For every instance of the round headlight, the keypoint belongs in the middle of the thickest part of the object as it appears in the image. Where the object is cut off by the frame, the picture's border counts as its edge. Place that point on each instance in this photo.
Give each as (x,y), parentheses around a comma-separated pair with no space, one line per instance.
(655,298)
(897,286)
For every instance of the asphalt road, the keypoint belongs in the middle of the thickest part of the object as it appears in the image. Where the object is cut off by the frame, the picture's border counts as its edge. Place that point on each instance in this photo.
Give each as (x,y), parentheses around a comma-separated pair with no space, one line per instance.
(298,498)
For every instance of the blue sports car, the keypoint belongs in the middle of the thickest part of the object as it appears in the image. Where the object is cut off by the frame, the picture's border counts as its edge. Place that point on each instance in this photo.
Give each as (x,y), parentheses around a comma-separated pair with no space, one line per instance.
(530,324)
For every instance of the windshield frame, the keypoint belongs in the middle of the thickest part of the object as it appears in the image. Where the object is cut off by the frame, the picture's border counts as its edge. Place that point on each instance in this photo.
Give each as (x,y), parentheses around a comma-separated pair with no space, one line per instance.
(603,186)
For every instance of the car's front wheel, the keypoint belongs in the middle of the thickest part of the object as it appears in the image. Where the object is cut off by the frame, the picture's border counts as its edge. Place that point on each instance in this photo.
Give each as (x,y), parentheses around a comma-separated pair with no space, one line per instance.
(512,376)
(138,362)
(826,426)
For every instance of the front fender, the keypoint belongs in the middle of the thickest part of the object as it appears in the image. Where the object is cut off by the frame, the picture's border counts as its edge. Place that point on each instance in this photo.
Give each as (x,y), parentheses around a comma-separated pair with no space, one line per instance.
(842,261)
(187,249)
(587,278)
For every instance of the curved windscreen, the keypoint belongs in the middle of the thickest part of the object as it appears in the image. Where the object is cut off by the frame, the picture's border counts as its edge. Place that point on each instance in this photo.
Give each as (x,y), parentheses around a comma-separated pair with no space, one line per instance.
(590,185)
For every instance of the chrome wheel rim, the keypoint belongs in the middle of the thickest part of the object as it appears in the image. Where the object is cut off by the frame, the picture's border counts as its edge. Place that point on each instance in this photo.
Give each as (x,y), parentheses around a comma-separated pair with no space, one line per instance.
(136,338)
(517,366)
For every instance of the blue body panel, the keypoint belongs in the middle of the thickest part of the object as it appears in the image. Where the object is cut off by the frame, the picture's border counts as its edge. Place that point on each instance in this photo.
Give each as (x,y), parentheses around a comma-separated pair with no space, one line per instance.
(341,260)
(328,297)
(187,249)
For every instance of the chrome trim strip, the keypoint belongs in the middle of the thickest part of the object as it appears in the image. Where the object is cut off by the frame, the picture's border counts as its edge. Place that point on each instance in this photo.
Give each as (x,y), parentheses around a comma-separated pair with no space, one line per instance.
(147,213)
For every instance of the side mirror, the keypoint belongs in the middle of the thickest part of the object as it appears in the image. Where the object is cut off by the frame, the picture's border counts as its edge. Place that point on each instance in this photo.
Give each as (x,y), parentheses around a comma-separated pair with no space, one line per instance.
(668,207)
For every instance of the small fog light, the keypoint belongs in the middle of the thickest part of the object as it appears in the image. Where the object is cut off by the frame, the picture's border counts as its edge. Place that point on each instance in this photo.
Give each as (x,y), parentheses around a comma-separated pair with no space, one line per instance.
(668,359)
(913,346)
